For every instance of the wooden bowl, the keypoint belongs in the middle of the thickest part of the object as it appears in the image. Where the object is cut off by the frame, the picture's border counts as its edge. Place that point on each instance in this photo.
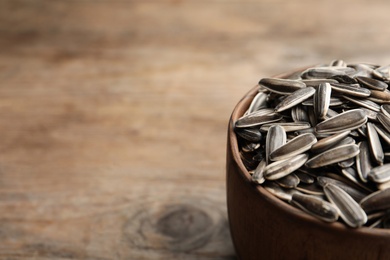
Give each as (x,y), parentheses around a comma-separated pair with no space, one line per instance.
(264,227)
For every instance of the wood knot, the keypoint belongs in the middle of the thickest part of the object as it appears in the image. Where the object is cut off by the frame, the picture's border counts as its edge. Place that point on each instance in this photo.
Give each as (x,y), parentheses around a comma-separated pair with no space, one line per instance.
(181,227)
(183,221)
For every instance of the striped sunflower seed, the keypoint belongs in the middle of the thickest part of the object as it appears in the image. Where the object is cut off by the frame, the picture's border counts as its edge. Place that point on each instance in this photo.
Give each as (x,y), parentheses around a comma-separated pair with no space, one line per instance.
(356,194)
(295,98)
(258,174)
(350,211)
(363,161)
(348,120)
(256,119)
(321,100)
(258,102)
(298,145)
(384,120)
(351,90)
(279,192)
(329,141)
(383,133)
(385,109)
(310,189)
(279,169)
(281,86)
(379,200)
(344,79)
(316,207)
(371,83)
(276,137)
(380,174)
(364,103)
(347,163)
(333,155)
(381,95)
(304,177)
(375,144)
(289,181)
(299,114)
(249,134)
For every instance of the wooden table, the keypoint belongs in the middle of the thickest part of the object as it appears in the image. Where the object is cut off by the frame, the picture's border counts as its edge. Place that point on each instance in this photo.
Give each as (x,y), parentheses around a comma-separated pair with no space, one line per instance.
(113,114)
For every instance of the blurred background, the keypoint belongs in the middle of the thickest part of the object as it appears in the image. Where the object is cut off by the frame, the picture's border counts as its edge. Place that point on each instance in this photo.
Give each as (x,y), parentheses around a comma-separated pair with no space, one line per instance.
(113,114)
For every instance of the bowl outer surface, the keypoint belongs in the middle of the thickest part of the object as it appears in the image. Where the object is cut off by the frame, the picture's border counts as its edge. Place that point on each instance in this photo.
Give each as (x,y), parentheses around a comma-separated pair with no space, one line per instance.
(264,227)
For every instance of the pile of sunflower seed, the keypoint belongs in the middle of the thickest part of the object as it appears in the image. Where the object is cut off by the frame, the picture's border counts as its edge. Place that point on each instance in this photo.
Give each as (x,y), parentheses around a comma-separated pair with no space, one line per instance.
(320,140)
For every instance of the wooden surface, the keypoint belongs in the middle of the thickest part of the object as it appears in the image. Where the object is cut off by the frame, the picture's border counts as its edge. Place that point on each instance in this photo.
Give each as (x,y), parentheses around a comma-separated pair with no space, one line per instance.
(113,114)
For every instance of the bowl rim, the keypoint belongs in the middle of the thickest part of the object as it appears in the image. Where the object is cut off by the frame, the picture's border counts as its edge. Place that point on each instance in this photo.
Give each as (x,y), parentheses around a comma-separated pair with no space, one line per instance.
(284,207)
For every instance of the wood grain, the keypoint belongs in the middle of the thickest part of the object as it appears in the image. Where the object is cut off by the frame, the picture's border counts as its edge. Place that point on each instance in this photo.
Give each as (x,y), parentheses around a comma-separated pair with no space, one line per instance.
(113,114)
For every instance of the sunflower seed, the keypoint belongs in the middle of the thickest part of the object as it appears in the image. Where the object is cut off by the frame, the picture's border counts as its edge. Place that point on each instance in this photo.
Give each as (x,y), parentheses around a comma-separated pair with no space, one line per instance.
(325,72)
(371,83)
(250,134)
(381,95)
(257,119)
(345,79)
(349,120)
(321,100)
(333,155)
(279,192)
(363,162)
(384,120)
(383,186)
(331,113)
(351,174)
(298,145)
(276,137)
(259,102)
(304,177)
(378,101)
(380,174)
(328,142)
(338,63)
(382,73)
(371,115)
(356,194)
(375,144)
(379,200)
(383,133)
(347,163)
(289,181)
(279,169)
(351,90)
(361,70)
(316,207)
(311,189)
(364,103)
(299,114)
(281,86)
(350,211)
(295,98)
(385,109)
(258,174)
